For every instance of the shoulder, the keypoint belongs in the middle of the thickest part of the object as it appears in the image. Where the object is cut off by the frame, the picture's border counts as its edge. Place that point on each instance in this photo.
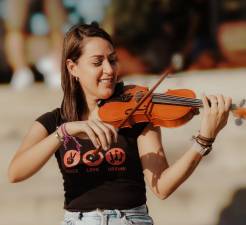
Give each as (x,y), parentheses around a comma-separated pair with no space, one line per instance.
(50,120)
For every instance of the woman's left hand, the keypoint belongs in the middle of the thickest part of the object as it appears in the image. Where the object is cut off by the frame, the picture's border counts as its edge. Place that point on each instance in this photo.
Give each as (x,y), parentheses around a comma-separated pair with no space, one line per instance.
(215,114)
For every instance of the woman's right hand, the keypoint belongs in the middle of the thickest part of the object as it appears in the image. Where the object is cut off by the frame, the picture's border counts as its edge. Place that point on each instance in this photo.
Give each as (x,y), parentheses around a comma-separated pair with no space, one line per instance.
(101,134)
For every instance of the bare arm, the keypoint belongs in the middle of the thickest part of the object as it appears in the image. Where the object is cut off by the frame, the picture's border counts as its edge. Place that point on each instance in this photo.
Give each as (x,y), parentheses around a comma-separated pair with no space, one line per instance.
(162,178)
(38,146)
(35,150)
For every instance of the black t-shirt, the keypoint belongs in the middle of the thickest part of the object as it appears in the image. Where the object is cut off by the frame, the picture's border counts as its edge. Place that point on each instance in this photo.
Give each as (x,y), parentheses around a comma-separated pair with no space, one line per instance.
(113,181)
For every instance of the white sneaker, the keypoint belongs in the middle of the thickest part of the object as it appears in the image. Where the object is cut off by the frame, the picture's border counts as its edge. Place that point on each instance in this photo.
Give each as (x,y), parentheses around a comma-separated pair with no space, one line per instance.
(22,78)
(52,76)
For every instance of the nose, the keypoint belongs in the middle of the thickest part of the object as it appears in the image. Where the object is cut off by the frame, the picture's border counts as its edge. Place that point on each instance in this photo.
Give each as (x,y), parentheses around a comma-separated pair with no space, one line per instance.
(108,68)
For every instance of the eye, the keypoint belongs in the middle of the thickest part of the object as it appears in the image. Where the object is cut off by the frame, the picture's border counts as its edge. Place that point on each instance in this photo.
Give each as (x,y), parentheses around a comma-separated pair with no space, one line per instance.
(97,63)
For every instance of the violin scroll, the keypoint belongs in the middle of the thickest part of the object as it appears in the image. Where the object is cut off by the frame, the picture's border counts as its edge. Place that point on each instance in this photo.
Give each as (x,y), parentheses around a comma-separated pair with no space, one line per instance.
(239,112)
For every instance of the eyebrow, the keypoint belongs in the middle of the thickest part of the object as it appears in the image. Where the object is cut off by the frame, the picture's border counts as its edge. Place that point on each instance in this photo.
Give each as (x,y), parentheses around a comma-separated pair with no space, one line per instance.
(101,56)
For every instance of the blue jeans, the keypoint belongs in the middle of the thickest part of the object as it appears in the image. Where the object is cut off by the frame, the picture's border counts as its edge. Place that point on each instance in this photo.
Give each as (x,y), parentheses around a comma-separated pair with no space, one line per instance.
(134,216)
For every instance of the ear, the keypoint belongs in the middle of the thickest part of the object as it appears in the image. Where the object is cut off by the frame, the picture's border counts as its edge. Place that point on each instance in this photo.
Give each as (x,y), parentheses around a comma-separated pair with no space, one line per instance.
(72,67)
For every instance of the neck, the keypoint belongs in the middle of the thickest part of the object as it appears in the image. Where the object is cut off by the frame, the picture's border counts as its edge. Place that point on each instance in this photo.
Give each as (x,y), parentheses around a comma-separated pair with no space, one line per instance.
(90,106)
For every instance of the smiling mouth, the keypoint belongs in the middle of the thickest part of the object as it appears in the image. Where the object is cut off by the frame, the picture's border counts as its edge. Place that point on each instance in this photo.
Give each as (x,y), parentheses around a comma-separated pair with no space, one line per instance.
(106,81)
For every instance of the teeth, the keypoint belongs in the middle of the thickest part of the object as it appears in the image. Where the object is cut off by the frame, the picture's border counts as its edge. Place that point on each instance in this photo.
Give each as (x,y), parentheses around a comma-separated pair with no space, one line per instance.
(106,80)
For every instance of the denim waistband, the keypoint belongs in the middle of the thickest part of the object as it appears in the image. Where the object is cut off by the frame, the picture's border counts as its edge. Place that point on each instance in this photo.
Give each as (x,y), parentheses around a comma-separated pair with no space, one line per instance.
(118,213)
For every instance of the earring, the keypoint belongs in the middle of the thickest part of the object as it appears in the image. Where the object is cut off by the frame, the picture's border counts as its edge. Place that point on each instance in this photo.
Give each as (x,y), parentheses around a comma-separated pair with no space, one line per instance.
(77,79)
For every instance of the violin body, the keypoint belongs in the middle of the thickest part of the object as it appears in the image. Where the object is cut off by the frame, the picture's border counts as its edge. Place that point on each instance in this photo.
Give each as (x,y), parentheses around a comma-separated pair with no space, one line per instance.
(152,110)
(170,115)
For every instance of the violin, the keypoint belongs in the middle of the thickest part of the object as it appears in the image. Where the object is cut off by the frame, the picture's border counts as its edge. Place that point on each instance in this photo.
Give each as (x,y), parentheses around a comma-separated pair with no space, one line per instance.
(136,104)
(133,104)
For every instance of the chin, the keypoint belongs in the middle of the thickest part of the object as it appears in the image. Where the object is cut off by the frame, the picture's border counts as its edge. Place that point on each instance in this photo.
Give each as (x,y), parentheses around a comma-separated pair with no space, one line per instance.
(107,93)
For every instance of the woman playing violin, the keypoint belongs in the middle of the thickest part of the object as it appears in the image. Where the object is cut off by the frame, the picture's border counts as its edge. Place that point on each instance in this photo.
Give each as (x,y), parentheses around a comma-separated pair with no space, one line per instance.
(106,188)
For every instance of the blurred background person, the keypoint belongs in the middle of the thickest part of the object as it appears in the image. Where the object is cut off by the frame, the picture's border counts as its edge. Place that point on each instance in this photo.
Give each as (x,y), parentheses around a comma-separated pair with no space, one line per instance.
(20,22)
(5,70)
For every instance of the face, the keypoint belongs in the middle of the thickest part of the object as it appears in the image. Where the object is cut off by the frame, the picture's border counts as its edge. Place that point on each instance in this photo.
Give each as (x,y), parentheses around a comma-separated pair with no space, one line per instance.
(96,68)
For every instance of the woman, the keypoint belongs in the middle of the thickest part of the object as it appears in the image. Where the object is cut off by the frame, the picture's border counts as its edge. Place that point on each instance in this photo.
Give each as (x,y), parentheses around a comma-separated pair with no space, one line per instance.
(106,188)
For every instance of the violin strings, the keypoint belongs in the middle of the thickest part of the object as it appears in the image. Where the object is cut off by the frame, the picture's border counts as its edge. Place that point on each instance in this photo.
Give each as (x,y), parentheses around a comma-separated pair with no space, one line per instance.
(177,97)
(170,99)
(175,102)
(178,103)
(164,96)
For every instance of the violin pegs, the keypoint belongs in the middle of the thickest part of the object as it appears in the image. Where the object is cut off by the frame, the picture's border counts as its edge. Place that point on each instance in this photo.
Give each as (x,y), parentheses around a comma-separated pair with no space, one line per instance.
(238,121)
(242,103)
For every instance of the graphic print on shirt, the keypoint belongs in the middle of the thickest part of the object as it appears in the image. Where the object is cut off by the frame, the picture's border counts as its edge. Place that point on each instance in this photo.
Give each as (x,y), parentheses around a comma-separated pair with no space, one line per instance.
(113,160)
(115,156)
(90,159)
(71,158)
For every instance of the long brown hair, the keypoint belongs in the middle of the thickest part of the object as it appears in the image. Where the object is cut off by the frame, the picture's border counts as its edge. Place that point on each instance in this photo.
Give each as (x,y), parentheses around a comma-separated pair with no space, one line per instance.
(73,95)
